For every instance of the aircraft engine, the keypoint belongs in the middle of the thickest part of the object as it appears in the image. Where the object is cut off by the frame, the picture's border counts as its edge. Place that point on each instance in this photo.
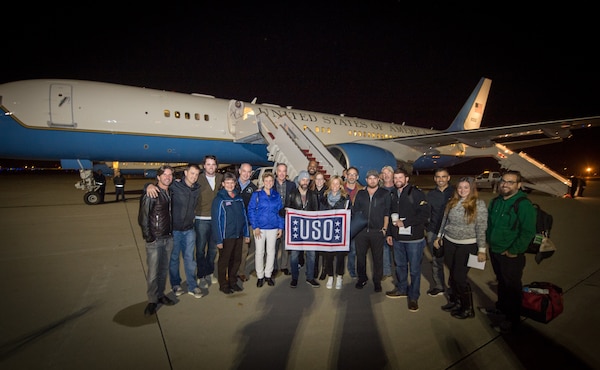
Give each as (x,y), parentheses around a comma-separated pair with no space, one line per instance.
(363,157)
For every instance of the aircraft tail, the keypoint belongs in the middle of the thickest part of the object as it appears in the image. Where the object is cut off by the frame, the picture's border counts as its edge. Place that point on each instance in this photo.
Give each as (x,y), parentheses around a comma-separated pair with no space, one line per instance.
(471,114)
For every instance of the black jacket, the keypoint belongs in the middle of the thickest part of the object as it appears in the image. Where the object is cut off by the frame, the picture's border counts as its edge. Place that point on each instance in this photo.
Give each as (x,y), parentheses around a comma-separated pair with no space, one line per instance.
(294,200)
(373,208)
(154,216)
(411,205)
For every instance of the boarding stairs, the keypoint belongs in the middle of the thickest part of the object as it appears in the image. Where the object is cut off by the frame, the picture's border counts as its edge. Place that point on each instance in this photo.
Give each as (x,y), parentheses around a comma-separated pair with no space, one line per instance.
(289,144)
(535,174)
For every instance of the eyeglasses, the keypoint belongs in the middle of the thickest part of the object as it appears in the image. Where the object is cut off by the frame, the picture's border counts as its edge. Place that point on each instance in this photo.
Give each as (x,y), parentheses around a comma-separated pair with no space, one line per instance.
(509,182)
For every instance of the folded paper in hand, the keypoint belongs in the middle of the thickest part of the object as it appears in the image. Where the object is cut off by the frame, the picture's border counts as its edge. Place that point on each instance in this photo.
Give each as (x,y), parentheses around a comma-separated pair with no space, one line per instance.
(473,262)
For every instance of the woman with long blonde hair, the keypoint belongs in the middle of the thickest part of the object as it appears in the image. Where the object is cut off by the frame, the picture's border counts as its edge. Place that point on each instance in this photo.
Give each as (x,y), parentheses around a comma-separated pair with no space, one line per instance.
(462,233)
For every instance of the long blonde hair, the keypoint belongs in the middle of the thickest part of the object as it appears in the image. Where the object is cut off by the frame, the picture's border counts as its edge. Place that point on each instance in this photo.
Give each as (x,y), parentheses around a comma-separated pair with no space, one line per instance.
(470,202)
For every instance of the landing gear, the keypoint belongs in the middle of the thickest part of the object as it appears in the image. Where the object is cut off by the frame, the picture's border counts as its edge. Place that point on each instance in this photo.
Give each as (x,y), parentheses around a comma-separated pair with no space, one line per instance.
(91,198)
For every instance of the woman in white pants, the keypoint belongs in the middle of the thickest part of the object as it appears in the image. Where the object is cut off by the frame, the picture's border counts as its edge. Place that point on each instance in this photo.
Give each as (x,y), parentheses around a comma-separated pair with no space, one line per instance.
(267,225)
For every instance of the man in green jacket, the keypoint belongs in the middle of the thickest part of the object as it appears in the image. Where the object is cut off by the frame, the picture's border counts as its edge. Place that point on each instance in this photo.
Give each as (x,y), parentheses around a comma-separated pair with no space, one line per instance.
(508,235)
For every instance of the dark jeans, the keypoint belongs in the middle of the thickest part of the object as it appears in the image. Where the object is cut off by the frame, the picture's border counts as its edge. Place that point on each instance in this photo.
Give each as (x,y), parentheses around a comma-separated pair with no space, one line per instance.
(366,240)
(509,272)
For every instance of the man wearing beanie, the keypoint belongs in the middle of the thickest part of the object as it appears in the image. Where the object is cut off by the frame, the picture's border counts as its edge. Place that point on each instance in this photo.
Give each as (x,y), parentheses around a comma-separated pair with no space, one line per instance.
(304,199)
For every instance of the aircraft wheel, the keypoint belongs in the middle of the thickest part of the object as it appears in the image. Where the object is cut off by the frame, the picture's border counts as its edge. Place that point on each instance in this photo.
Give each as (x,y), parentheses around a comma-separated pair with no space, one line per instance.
(91,198)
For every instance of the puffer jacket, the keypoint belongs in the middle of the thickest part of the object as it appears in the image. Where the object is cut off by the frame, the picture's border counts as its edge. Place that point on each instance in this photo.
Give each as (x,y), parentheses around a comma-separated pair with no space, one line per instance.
(154,216)
(263,210)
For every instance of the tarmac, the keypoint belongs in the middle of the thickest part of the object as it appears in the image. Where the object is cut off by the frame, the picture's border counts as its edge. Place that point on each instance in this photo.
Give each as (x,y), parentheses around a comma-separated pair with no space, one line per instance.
(73,281)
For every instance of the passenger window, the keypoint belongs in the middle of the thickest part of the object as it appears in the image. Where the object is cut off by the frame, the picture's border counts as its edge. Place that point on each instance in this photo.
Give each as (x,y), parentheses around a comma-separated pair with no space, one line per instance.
(167,113)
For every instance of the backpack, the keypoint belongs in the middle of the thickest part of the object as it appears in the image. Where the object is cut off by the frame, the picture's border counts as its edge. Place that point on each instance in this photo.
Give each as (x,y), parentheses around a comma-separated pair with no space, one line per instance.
(540,245)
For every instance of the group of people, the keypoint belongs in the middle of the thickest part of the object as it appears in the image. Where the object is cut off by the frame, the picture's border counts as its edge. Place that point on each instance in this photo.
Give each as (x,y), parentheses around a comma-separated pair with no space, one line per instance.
(223,212)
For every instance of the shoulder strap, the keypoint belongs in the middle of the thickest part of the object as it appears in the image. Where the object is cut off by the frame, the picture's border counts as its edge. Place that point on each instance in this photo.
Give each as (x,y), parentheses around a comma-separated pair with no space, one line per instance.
(516,209)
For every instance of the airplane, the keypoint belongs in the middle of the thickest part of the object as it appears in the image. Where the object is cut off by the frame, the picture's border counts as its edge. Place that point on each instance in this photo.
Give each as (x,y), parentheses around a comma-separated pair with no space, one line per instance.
(82,122)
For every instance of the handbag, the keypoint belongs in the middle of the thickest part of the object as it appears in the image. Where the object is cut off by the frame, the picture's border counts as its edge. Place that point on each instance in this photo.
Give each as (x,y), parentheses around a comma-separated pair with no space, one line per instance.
(439,252)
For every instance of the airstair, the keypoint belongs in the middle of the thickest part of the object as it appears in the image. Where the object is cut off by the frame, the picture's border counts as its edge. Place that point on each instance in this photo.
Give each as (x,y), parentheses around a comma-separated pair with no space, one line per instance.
(535,174)
(289,144)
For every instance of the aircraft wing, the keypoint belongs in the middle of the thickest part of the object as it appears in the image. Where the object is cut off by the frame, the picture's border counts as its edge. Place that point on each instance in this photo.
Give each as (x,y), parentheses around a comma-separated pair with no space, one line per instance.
(513,136)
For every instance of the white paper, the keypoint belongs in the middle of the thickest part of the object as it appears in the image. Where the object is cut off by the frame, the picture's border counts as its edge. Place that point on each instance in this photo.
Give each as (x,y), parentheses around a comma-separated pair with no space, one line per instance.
(474,263)
(404,230)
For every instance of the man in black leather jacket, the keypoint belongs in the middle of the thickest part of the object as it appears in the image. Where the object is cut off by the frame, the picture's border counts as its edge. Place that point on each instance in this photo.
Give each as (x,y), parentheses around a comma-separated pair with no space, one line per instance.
(304,199)
(155,219)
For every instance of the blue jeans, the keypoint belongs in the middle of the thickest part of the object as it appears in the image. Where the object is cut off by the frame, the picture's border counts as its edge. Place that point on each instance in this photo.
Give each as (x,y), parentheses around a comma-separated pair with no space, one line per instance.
(437,264)
(157,258)
(183,243)
(206,248)
(309,266)
(352,259)
(387,259)
(409,255)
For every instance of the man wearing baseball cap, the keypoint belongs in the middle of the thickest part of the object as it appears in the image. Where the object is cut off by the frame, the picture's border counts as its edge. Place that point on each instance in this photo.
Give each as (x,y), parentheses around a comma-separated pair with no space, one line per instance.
(374,202)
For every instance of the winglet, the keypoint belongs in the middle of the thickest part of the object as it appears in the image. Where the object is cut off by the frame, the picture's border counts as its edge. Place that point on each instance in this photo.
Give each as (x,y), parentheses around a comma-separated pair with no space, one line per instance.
(471,114)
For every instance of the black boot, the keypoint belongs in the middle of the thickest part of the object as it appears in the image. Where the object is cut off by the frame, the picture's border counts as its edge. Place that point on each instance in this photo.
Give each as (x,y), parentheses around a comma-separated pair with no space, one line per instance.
(453,304)
(466,311)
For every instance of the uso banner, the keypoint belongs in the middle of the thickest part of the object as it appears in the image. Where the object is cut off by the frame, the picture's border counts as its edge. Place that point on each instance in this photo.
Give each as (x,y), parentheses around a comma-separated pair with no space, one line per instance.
(326,231)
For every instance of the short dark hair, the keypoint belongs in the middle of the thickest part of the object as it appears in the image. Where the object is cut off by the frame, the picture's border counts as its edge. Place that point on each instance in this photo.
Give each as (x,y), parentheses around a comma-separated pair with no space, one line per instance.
(514,172)
(210,156)
(403,171)
(229,176)
(440,169)
(163,168)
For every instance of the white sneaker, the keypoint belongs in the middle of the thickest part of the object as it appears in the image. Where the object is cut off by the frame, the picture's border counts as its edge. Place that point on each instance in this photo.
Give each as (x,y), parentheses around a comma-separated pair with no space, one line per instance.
(177,290)
(212,278)
(338,282)
(329,282)
(197,293)
(203,283)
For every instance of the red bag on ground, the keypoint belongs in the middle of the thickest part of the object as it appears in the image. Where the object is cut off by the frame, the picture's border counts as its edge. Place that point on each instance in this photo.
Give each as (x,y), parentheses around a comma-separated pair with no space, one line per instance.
(542,301)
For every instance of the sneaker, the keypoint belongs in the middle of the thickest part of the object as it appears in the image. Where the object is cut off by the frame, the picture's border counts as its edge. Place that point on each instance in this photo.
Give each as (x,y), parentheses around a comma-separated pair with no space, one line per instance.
(360,284)
(413,305)
(294,283)
(313,283)
(212,279)
(150,309)
(505,327)
(395,294)
(202,283)
(338,282)
(490,311)
(435,292)
(177,290)
(166,301)
(329,284)
(197,293)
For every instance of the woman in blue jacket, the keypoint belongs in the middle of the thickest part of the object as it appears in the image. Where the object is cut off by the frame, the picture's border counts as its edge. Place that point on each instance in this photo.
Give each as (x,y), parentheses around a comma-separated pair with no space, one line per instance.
(267,224)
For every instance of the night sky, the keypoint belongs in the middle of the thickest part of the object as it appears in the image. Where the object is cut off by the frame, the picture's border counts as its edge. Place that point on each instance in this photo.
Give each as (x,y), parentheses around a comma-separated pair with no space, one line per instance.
(379,60)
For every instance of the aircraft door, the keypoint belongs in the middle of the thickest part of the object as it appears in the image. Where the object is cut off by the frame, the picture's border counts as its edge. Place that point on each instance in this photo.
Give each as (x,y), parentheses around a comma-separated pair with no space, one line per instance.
(236,113)
(241,122)
(61,105)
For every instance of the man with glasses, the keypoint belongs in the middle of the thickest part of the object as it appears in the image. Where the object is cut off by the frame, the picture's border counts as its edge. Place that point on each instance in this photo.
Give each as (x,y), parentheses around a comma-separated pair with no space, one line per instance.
(508,235)
(437,199)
